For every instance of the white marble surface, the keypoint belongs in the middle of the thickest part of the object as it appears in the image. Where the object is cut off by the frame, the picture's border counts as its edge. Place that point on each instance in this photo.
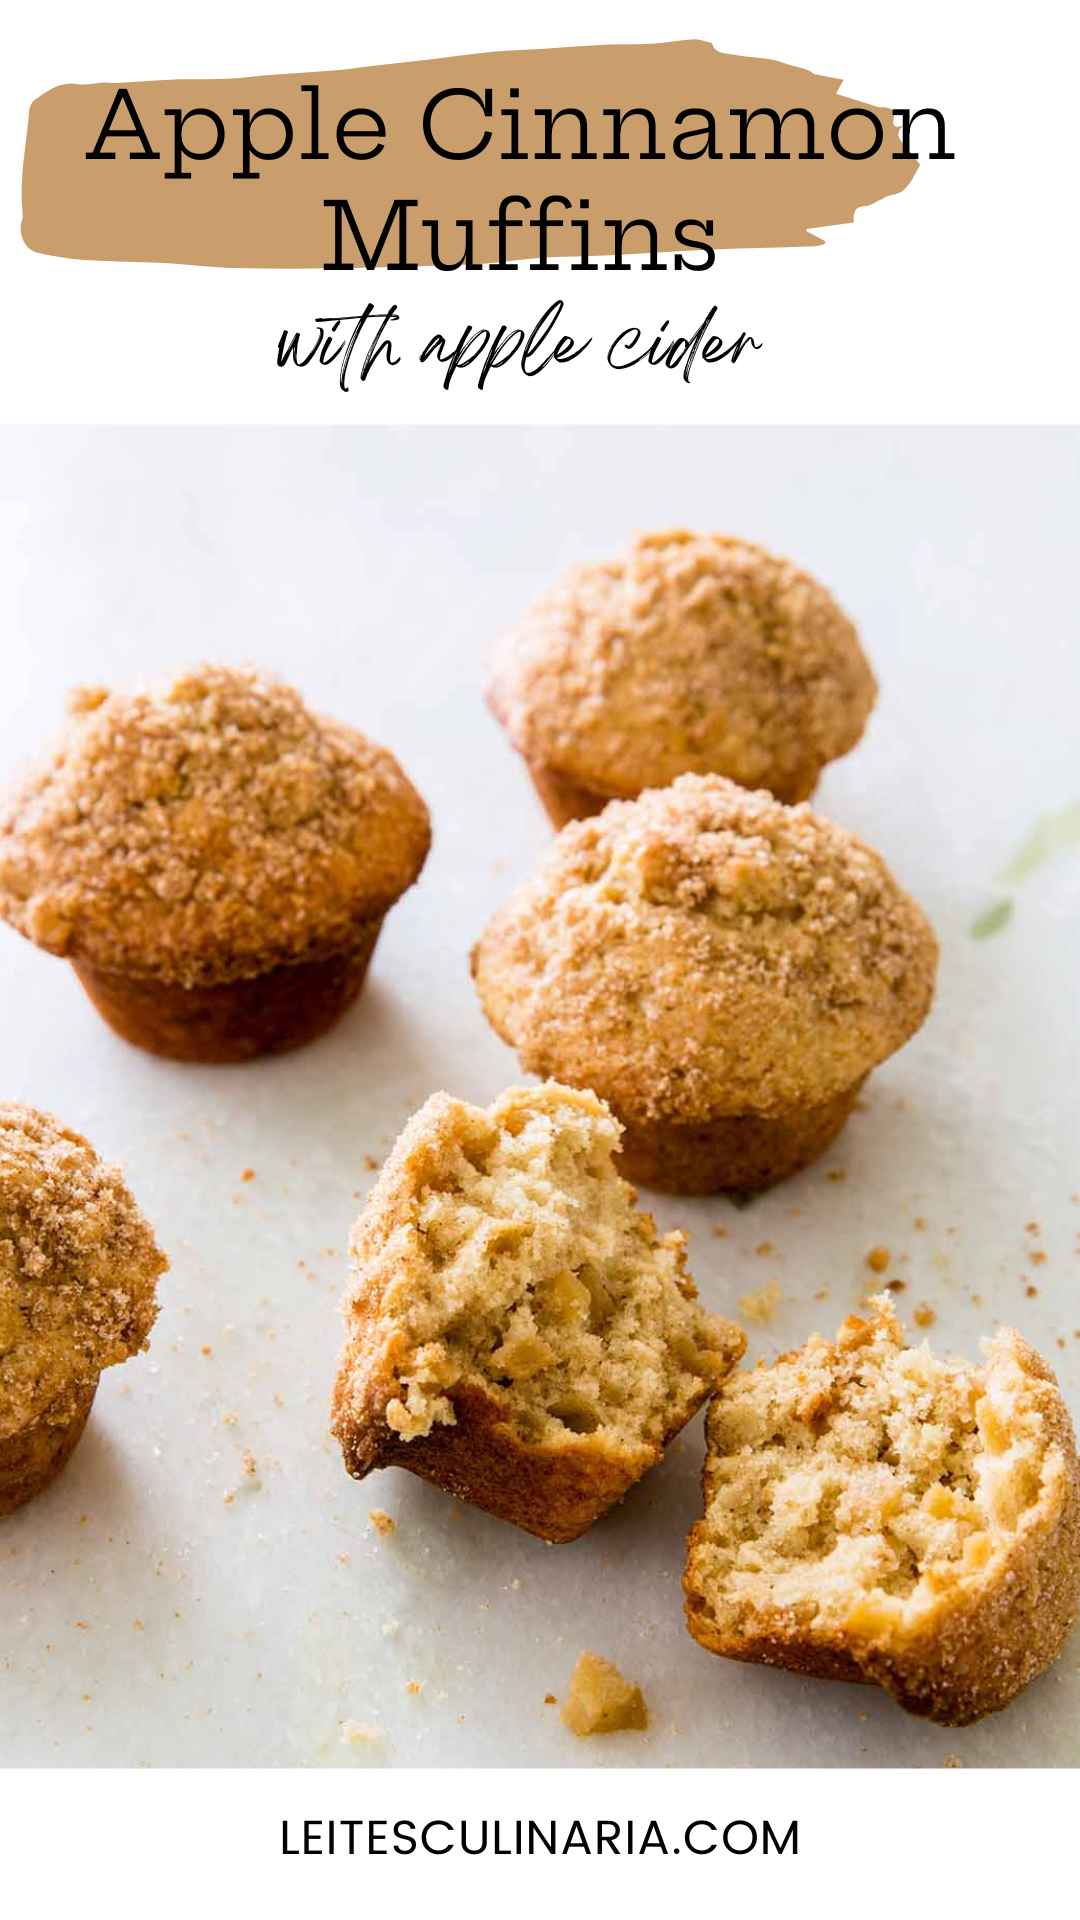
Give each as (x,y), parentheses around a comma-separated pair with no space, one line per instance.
(145,1618)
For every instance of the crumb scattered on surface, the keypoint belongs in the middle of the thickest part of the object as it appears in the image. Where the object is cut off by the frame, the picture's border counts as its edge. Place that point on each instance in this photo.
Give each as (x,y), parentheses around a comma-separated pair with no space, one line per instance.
(382,1522)
(952,1760)
(924,1314)
(356,1733)
(414,1686)
(764,1248)
(549,1700)
(760,1306)
(600,1700)
(878,1259)
(248,1173)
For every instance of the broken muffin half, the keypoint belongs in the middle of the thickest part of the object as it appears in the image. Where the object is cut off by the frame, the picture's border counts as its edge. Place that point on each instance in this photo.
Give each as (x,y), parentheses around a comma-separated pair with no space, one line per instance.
(518,1331)
(875,1513)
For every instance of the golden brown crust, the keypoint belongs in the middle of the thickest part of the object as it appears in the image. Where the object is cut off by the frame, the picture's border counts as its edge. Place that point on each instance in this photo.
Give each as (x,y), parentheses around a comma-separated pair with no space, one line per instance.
(31,1459)
(272,1012)
(693,653)
(206,831)
(555,1491)
(740,1153)
(517,1332)
(704,951)
(984,1635)
(564,800)
(78,1270)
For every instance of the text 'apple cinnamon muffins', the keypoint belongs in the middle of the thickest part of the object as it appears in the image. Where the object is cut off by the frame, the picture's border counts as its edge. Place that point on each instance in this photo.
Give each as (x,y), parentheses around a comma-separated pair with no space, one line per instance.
(875,1513)
(691,653)
(517,1330)
(722,969)
(215,860)
(78,1271)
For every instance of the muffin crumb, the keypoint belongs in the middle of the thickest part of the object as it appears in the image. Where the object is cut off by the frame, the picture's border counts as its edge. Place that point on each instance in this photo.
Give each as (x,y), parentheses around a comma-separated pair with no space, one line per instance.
(600,1700)
(357,1733)
(761,1306)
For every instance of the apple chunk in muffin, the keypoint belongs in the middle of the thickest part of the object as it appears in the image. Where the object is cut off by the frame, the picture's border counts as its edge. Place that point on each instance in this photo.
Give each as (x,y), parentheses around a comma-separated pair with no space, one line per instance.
(518,1330)
(873,1512)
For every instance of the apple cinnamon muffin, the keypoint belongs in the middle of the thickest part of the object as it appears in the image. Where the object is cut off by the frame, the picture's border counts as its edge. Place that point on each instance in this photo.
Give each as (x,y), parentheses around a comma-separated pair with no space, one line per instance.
(691,653)
(78,1272)
(214,860)
(875,1513)
(722,969)
(517,1330)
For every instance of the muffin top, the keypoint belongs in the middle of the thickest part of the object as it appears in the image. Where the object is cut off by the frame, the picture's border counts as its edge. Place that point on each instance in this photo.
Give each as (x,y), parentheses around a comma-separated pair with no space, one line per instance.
(206,830)
(695,653)
(705,951)
(78,1266)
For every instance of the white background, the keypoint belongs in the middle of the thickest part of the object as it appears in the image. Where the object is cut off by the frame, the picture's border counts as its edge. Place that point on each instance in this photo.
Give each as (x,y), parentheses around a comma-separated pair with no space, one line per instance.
(950,301)
(376,572)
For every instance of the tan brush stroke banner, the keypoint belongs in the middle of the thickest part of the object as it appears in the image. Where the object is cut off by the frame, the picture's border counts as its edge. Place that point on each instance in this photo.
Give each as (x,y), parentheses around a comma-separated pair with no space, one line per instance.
(124,209)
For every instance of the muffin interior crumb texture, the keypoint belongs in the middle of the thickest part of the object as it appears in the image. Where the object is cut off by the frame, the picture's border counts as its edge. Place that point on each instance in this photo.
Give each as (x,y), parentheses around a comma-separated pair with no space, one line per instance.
(853,1484)
(600,1700)
(206,830)
(502,1250)
(78,1266)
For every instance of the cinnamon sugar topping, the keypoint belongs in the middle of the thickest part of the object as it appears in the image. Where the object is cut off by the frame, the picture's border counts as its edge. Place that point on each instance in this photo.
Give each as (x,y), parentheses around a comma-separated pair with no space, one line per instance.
(205,831)
(691,653)
(703,950)
(78,1266)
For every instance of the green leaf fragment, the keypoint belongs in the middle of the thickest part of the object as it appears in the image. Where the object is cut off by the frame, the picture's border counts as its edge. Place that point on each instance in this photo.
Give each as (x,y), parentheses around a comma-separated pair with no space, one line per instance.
(1053,833)
(992,920)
